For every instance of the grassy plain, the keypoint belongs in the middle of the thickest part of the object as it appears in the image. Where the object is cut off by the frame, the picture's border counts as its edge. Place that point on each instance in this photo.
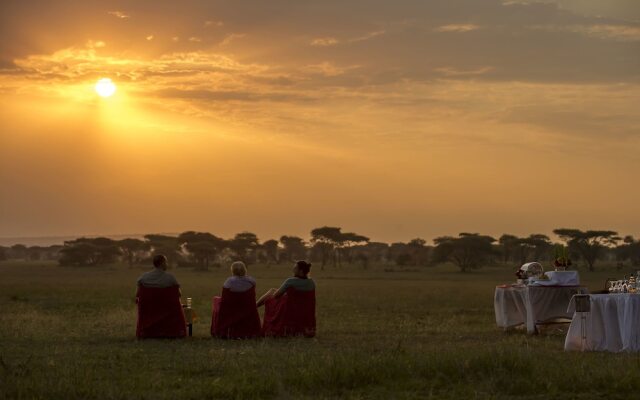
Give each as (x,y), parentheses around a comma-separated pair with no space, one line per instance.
(68,333)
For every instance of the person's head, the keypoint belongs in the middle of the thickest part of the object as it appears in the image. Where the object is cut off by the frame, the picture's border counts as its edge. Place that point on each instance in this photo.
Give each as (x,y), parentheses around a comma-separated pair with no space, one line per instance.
(301,269)
(238,269)
(160,261)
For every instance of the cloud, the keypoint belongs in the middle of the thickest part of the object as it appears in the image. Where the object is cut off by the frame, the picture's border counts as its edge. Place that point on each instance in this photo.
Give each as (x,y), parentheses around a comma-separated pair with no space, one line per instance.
(455,72)
(578,123)
(458,28)
(230,38)
(232,95)
(367,36)
(218,24)
(95,44)
(195,39)
(149,38)
(332,41)
(324,41)
(327,69)
(615,32)
(79,63)
(119,14)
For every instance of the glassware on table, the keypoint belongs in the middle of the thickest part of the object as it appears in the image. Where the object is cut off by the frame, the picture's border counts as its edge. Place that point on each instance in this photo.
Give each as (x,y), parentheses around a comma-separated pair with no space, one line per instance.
(617,288)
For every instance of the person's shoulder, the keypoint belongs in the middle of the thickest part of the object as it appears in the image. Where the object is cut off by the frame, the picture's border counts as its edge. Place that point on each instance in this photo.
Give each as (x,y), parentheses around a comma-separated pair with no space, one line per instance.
(291,281)
(143,276)
(171,278)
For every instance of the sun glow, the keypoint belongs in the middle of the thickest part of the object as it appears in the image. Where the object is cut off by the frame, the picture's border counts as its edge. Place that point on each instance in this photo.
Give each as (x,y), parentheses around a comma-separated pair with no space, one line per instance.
(105,87)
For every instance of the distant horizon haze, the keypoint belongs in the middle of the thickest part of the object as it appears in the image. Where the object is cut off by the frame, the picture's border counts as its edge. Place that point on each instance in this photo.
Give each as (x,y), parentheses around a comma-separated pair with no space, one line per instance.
(48,240)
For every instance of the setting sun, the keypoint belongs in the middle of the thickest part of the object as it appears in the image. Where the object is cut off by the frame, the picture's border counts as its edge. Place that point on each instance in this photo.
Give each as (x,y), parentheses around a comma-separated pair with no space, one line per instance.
(105,87)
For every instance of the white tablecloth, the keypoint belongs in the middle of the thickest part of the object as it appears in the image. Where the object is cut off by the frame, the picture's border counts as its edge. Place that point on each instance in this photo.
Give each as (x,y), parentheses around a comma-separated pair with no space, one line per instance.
(530,305)
(559,278)
(612,325)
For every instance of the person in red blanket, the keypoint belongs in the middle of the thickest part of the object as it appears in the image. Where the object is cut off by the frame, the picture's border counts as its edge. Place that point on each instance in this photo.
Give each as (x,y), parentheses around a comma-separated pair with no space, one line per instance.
(300,281)
(239,281)
(160,313)
(291,309)
(235,315)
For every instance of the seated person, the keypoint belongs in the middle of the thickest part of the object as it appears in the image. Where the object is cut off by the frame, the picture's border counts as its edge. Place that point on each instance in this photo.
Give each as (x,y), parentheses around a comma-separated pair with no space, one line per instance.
(239,281)
(160,312)
(290,310)
(158,277)
(235,314)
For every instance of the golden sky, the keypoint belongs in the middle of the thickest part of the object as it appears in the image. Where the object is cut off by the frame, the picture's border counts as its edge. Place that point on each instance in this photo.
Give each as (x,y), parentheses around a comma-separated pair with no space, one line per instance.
(391,119)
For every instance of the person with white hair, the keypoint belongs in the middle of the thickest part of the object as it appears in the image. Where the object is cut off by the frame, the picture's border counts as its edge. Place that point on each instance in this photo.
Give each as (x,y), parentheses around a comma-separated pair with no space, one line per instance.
(234,314)
(239,281)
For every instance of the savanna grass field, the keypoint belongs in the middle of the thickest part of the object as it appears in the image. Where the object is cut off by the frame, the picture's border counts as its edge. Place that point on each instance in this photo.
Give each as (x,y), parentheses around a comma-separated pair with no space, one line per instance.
(383,333)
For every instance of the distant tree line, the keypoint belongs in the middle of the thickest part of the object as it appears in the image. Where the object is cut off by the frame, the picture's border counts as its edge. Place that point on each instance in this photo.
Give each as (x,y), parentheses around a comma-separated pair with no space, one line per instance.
(330,246)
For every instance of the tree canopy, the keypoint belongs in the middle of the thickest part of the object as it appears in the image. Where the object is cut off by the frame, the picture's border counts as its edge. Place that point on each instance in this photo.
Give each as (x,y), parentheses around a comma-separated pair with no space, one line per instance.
(589,244)
(89,251)
(467,251)
(201,246)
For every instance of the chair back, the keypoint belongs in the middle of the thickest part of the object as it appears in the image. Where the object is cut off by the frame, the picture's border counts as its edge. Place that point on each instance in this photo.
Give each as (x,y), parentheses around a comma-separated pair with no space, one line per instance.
(160,313)
(293,314)
(235,315)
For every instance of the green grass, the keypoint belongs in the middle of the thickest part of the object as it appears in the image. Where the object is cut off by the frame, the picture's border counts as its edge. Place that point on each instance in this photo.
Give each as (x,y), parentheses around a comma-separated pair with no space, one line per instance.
(69,333)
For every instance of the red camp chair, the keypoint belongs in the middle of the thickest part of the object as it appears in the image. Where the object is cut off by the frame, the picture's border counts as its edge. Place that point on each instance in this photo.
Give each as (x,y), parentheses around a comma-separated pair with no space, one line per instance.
(160,313)
(293,314)
(235,315)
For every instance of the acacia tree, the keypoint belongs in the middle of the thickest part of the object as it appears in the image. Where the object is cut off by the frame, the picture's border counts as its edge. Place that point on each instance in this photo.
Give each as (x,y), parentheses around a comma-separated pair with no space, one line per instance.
(376,251)
(537,245)
(132,249)
(589,244)
(35,253)
(509,245)
(347,241)
(419,251)
(325,240)
(521,250)
(629,250)
(270,248)
(293,247)
(89,251)
(415,252)
(18,251)
(398,252)
(164,244)
(467,251)
(244,246)
(202,246)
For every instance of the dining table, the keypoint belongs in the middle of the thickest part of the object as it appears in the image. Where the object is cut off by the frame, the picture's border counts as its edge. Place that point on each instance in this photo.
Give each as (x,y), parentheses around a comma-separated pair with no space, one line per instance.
(532,305)
(611,322)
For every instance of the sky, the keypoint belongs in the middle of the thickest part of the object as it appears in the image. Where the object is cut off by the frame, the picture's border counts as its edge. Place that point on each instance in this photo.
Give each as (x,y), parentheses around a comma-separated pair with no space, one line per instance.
(394,120)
